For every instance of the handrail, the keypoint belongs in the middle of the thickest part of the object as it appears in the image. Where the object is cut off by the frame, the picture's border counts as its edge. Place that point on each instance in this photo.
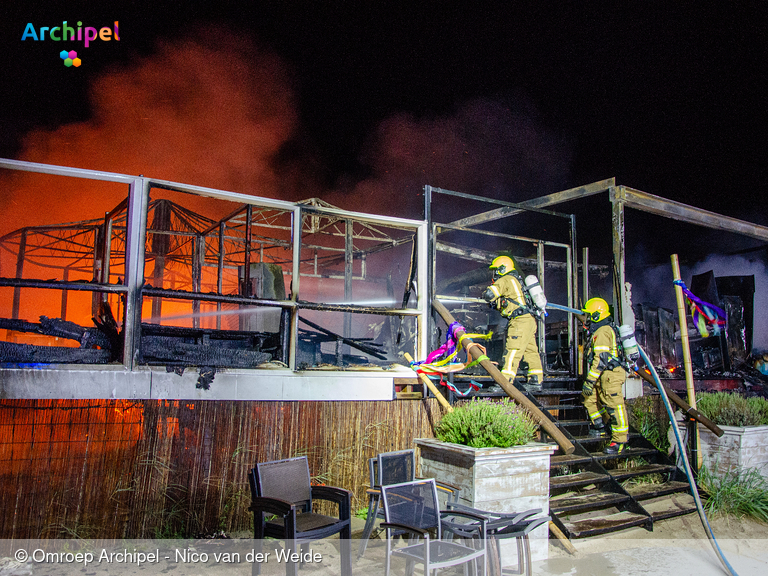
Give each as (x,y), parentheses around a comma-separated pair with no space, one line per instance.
(547,424)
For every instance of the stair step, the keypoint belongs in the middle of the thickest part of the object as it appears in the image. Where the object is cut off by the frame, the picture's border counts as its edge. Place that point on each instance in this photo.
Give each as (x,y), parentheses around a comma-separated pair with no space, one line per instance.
(568,460)
(591,439)
(623,474)
(626,453)
(670,506)
(647,490)
(582,422)
(580,479)
(604,524)
(585,501)
(562,407)
(559,391)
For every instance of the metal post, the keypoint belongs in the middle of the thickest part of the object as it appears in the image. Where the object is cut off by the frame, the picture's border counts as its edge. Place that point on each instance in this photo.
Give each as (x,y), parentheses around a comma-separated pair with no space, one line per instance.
(135,234)
(198,257)
(220,273)
(19,274)
(107,252)
(571,272)
(541,335)
(296,229)
(348,271)
(247,266)
(423,300)
(573,294)
(65,278)
(430,267)
(616,195)
(98,267)
(585,274)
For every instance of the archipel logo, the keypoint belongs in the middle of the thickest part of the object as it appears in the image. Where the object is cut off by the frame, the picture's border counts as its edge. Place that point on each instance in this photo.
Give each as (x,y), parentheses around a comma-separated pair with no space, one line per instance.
(67,34)
(70,58)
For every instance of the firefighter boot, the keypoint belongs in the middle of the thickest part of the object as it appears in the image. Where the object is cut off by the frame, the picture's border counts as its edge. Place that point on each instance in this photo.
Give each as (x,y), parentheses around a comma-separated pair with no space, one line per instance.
(615,448)
(597,428)
(532,384)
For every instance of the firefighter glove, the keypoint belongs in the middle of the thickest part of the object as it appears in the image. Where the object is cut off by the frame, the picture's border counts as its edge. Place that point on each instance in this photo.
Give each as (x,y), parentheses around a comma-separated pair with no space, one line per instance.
(588,388)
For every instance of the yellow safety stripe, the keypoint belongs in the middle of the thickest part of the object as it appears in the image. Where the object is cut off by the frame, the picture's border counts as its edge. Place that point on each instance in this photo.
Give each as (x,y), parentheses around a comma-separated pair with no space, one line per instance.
(495,290)
(621,420)
(507,370)
(535,372)
(519,298)
(594,374)
(595,415)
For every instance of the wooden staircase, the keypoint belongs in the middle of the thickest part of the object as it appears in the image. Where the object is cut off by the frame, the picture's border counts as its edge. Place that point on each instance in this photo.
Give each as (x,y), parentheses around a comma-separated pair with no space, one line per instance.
(593,493)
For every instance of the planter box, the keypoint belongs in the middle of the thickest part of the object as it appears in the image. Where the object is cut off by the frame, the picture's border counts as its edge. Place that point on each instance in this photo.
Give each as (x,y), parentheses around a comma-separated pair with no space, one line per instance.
(738,448)
(498,479)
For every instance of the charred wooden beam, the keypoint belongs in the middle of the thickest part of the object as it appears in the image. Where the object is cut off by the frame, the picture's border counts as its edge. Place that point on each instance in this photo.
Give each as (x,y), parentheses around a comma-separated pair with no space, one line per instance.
(58,328)
(58,285)
(367,348)
(32,354)
(541,202)
(172,351)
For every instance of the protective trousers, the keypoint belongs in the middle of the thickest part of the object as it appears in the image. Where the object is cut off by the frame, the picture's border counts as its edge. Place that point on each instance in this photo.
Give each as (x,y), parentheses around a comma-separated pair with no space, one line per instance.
(521,345)
(607,402)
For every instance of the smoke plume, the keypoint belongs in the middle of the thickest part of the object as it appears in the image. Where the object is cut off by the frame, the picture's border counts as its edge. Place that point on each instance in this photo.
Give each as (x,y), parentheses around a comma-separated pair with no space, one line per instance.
(211,110)
(486,147)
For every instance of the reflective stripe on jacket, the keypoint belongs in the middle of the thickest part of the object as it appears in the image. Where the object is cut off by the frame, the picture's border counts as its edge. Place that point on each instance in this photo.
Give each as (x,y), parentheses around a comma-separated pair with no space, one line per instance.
(602,341)
(509,287)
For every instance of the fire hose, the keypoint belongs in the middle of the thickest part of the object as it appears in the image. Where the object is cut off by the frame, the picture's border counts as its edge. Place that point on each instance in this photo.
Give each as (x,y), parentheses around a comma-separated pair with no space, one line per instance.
(680,447)
(684,456)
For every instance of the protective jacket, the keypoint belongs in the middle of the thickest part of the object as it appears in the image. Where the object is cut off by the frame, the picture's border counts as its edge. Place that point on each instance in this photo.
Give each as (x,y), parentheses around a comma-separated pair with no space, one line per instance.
(603,352)
(508,294)
(605,372)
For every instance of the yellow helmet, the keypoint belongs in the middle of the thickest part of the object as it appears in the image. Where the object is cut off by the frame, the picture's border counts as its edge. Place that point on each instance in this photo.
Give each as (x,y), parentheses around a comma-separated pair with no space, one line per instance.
(502,265)
(596,309)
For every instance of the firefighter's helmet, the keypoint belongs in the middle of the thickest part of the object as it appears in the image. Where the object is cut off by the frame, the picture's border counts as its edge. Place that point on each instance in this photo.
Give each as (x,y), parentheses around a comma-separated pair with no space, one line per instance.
(596,309)
(502,265)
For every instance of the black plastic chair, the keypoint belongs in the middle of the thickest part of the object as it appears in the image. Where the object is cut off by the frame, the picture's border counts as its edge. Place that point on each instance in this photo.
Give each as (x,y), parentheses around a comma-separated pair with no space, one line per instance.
(394,468)
(413,508)
(500,525)
(281,491)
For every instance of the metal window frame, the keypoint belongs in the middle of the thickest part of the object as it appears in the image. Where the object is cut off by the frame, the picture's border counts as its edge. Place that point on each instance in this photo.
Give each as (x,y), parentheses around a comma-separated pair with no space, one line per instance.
(505,210)
(136,230)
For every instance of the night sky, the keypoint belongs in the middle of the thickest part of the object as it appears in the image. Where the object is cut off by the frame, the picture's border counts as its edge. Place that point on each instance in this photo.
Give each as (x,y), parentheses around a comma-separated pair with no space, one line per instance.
(539,96)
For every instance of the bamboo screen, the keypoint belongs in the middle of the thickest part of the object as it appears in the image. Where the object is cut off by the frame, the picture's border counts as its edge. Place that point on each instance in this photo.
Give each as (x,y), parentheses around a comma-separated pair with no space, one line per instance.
(152,469)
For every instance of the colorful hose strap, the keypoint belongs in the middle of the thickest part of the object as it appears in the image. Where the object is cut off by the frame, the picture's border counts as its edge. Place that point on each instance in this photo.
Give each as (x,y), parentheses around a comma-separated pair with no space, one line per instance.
(472,385)
(444,359)
(703,313)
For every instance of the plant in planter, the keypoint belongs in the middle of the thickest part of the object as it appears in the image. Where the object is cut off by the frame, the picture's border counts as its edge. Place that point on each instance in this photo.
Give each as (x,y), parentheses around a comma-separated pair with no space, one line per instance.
(487,424)
(745,434)
(726,409)
(487,449)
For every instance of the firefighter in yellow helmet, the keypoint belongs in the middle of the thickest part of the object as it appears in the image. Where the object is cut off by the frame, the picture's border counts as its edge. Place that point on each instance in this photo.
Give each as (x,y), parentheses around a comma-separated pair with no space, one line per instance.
(507,296)
(602,389)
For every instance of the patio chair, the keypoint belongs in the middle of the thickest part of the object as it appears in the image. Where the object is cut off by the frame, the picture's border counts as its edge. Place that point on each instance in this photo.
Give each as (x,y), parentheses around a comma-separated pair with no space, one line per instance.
(500,525)
(281,501)
(394,468)
(413,508)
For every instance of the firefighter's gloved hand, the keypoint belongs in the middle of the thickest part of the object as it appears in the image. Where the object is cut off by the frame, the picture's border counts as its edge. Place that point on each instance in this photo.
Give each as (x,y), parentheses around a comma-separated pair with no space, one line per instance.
(588,388)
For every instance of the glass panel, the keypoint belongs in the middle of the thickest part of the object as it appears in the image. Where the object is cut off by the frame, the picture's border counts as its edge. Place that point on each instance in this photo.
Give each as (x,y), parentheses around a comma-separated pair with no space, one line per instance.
(52,246)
